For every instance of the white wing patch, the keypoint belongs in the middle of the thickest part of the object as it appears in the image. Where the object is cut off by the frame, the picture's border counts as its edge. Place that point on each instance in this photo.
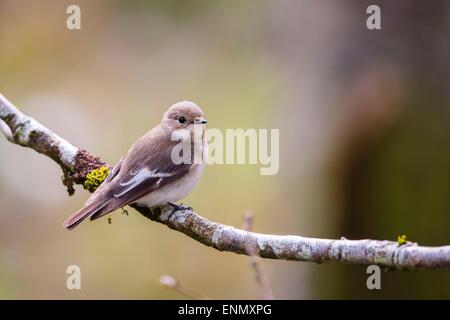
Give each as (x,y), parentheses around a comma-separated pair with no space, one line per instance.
(139,177)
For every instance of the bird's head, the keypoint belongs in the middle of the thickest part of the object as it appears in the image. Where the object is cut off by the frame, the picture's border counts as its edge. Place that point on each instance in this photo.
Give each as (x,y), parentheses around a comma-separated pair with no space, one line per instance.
(183,115)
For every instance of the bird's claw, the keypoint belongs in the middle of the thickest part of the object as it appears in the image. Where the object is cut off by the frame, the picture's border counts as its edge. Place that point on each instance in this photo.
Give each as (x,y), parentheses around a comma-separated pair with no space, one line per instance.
(176,208)
(124,211)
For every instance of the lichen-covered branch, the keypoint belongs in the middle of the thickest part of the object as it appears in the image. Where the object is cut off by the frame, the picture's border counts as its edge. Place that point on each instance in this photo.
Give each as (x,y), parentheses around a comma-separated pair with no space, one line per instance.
(78,165)
(27,132)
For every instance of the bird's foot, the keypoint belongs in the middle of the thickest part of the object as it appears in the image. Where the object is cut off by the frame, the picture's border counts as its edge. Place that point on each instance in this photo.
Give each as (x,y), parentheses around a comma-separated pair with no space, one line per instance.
(176,207)
(183,208)
(124,211)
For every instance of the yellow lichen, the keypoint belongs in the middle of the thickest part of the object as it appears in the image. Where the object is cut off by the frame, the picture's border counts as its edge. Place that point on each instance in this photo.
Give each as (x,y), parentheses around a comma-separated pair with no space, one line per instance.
(95,178)
(401,240)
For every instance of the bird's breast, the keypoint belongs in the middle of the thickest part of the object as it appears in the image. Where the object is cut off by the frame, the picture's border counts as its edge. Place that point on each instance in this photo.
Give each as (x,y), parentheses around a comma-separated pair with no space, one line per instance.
(179,188)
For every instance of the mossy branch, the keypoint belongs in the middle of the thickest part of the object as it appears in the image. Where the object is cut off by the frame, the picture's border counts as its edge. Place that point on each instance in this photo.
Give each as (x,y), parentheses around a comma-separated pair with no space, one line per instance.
(81,167)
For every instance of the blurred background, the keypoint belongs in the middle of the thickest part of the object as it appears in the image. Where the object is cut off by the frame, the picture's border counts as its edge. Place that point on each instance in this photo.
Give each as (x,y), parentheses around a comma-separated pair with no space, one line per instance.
(364,119)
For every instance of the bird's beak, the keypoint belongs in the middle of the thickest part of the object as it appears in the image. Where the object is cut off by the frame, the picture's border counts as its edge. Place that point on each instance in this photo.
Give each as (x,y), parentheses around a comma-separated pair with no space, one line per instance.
(200,121)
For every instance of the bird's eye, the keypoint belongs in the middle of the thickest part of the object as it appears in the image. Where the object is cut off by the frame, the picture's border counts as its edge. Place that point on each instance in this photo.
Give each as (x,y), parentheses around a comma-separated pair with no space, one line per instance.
(181,119)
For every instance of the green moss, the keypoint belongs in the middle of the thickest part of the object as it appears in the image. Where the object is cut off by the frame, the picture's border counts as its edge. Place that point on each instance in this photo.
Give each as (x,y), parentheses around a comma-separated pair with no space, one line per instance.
(95,178)
(401,240)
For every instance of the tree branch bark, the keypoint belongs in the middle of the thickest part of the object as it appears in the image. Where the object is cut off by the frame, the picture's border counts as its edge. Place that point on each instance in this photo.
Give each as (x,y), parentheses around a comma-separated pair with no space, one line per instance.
(76,163)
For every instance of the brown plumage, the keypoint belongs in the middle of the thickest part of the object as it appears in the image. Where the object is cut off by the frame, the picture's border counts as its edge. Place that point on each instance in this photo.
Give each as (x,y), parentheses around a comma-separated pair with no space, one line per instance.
(147,174)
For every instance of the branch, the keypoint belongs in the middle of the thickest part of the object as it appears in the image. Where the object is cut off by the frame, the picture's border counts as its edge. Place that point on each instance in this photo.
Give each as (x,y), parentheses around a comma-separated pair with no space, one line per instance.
(260,276)
(77,163)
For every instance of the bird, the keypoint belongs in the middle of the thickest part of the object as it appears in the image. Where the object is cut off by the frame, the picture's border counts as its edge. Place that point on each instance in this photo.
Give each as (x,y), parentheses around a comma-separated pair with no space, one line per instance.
(147,174)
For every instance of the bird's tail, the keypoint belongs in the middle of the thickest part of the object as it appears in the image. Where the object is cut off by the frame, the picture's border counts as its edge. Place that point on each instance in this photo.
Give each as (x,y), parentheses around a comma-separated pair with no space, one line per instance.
(88,210)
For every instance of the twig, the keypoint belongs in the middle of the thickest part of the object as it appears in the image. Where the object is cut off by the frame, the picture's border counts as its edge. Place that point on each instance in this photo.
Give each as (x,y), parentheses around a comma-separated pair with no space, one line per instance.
(172,283)
(77,163)
(260,276)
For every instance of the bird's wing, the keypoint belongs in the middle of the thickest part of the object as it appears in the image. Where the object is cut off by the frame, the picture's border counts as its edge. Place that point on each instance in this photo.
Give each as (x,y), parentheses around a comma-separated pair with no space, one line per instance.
(137,178)
(105,185)
(147,166)
(96,202)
